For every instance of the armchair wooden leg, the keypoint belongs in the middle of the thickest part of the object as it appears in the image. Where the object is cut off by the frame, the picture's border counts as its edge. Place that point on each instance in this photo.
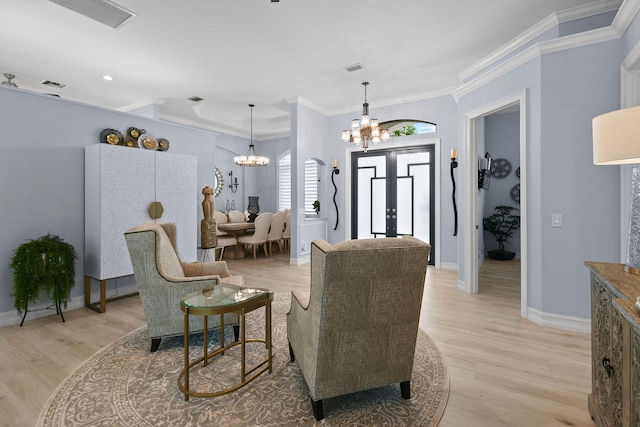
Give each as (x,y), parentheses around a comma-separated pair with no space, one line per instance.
(405,389)
(318,412)
(155,343)
(265,249)
(291,355)
(254,252)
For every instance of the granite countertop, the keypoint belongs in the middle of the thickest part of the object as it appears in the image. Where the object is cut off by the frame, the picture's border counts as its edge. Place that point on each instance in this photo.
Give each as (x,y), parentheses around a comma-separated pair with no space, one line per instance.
(627,284)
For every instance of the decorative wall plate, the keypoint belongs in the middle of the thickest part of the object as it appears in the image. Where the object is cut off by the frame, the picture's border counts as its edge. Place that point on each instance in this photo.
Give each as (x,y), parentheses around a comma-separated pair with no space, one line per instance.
(134,133)
(500,168)
(148,142)
(111,137)
(219,183)
(515,193)
(163,144)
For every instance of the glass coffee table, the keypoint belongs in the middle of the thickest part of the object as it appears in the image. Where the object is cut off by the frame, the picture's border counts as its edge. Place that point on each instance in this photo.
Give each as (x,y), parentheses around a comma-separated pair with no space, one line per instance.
(221,299)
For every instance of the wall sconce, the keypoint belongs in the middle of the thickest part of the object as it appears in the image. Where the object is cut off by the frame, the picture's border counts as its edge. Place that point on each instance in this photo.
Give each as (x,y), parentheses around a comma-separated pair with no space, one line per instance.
(454,164)
(484,171)
(335,171)
(233,183)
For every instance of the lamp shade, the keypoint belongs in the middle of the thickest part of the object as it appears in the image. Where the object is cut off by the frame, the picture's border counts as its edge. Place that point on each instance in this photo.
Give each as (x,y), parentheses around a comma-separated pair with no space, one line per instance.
(616,137)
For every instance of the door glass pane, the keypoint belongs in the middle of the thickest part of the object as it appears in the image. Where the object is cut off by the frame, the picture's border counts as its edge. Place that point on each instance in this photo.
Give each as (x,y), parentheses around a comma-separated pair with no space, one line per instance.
(414,203)
(405,203)
(378,205)
(370,170)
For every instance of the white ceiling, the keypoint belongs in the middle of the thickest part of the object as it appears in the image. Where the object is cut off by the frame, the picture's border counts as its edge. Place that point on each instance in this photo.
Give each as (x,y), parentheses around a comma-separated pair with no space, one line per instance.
(236,52)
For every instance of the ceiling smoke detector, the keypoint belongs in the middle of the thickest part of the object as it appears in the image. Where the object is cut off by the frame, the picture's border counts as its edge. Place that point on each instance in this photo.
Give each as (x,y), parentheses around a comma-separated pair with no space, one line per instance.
(53,84)
(195,99)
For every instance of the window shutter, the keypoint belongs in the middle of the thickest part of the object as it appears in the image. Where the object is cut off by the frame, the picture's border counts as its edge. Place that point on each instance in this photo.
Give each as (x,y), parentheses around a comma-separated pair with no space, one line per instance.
(284,183)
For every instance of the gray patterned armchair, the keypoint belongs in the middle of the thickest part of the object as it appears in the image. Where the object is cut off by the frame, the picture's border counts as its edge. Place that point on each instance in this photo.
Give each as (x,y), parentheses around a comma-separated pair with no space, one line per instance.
(163,280)
(357,328)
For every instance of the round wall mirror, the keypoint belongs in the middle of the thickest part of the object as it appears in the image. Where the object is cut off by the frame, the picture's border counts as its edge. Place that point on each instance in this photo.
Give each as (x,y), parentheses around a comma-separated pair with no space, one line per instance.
(219,182)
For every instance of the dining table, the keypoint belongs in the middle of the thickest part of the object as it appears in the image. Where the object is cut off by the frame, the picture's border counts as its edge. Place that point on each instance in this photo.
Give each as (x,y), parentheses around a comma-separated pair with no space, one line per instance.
(237,229)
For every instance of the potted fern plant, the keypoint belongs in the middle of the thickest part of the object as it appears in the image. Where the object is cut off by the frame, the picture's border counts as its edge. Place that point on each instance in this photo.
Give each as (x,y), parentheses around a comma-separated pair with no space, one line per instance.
(502,223)
(43,264)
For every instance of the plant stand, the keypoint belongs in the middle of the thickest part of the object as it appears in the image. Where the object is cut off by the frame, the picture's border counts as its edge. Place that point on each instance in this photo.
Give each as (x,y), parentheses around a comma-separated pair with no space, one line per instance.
(57,303)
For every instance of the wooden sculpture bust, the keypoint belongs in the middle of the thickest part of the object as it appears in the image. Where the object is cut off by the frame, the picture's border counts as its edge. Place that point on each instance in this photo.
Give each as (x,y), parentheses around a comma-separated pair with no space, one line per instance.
(208,237)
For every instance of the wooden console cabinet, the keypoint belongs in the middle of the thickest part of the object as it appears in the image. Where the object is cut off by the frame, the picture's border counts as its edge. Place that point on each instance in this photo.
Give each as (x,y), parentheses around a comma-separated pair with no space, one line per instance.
(615,346)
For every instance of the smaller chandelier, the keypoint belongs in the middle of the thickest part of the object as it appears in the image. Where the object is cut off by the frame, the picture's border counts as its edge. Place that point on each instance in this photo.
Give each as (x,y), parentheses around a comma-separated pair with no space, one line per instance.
(365,130)
(251,158)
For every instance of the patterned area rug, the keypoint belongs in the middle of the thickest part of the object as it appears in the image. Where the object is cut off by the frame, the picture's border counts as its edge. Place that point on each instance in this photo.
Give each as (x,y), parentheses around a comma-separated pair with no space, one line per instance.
(126,385)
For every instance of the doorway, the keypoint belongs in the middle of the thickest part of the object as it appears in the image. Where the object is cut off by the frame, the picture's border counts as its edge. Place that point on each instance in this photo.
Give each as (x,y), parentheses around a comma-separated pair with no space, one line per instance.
(472,220)
(393,194)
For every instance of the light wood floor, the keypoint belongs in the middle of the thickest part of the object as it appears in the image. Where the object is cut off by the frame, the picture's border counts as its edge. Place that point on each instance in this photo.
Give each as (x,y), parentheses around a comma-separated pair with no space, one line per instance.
(504,371)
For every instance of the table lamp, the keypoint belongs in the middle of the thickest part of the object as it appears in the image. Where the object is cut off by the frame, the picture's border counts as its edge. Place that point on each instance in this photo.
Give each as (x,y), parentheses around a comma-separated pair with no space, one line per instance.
(616,141)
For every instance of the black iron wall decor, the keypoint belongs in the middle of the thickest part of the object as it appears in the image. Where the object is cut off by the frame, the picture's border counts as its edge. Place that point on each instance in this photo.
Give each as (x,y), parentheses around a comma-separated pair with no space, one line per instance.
(454,164)
(335,171)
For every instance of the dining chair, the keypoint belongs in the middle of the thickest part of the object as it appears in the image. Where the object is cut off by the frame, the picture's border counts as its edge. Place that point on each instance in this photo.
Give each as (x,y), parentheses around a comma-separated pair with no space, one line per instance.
(220,218)
(259,236)
(286,234)
(236,216)
(276,229)
(223,238)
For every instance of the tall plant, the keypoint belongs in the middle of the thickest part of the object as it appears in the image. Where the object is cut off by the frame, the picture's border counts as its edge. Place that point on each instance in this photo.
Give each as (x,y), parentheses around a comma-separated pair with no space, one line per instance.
(46,263)
(502,223)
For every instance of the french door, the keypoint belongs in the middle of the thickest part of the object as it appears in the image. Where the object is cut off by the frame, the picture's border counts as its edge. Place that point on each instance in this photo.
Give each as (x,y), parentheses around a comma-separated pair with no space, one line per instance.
(393,194)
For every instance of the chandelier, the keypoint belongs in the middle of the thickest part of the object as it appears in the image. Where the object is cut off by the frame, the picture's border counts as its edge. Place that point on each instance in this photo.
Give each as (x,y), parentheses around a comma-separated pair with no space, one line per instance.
(364,129)
(251,158)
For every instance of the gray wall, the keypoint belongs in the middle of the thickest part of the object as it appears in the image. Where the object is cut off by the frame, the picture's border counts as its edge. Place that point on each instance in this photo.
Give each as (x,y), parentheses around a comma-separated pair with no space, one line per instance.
(42,140)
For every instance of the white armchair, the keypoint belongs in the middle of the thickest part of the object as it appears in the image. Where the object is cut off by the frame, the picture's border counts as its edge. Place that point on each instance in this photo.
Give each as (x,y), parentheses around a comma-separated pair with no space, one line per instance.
(357,327)
(163,280)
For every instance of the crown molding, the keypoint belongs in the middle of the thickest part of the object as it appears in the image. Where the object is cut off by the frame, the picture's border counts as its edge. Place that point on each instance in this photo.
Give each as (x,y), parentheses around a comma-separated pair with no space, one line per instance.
(306,103)
(546,24)
(625,15)
(534,52)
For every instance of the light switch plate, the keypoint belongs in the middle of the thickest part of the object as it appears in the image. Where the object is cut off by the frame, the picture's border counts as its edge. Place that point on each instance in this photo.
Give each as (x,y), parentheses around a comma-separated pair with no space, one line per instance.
(556,220)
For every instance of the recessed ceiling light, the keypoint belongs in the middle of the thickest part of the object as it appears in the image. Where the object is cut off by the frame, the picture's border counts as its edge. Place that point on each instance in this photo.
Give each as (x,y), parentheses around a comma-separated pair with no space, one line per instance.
(107,77)
(195,99)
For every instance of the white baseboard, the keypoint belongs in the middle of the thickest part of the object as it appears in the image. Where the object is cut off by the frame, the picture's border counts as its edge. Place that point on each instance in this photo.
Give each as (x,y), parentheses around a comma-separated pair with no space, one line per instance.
(300,261)
(9,318)
(558,321)
(450,266)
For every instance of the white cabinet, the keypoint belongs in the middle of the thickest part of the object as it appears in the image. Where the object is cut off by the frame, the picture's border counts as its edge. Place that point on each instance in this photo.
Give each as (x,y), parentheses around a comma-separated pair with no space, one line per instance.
(120,185)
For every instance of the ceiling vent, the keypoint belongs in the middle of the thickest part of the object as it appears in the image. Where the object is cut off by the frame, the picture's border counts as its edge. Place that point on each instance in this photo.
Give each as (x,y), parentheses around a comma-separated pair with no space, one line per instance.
(103,11)
(195,99)
(53,84)
(354,67)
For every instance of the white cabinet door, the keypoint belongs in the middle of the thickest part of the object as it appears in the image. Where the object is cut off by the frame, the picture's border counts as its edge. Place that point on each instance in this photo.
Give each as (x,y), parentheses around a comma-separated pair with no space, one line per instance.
(120,184)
